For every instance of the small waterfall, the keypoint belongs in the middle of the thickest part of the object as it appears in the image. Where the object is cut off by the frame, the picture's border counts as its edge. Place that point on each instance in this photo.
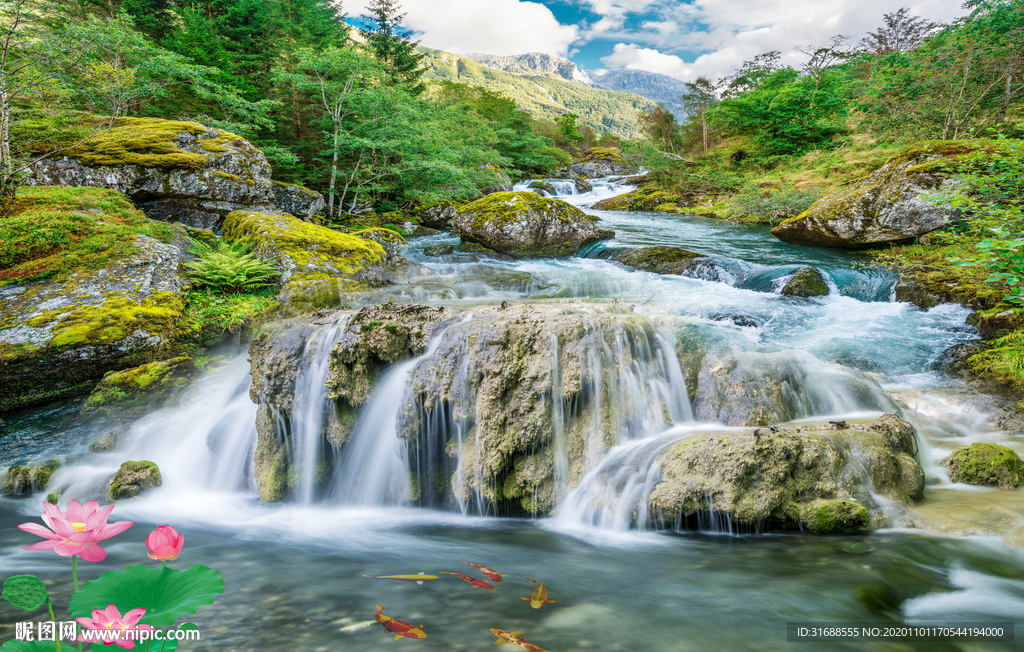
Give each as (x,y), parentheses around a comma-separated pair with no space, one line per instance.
(543,187)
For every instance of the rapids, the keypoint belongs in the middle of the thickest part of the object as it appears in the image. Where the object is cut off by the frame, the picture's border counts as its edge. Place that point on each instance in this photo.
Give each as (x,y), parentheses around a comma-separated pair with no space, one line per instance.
(294,570)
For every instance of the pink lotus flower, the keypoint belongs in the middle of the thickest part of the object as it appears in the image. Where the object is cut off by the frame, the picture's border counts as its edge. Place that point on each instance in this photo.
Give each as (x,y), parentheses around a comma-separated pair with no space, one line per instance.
(76,532)
(164,543)
(111,619)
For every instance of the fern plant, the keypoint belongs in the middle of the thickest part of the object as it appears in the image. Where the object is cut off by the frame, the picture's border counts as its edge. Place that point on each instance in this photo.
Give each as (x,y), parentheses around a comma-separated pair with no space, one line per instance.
(230,269)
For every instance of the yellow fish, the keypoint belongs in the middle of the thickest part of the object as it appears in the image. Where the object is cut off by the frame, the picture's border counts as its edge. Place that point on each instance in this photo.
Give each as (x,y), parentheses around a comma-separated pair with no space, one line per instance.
(409,578)
(540,595)
(399,627)
(514,639)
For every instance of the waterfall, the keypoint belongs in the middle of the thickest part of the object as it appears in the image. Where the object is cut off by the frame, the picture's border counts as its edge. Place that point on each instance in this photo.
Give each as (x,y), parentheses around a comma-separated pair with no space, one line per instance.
(561,187)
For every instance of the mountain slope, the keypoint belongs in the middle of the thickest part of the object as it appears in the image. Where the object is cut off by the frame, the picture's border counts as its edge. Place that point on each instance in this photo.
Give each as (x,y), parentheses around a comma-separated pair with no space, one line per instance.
(533,63)
(544,95)
(652,85)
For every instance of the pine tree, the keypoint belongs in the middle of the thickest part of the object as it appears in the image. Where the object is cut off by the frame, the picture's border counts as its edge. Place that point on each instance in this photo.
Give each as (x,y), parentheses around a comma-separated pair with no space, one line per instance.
(390,43)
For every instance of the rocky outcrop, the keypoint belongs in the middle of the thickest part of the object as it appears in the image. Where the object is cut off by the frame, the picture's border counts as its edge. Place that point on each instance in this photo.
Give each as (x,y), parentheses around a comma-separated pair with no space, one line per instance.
(25,480)
(805,282)
(890,206)
(985,464)
(526,225)
(177,171)
(132,479)
(317,263)
(140,389)
(778,477)
(60,335)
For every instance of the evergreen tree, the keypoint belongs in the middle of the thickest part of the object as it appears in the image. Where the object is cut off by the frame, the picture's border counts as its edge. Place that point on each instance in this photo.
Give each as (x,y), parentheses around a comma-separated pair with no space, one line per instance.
(390,43)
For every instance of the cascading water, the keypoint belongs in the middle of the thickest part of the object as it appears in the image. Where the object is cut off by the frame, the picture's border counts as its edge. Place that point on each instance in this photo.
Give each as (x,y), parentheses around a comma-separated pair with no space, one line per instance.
(562,187)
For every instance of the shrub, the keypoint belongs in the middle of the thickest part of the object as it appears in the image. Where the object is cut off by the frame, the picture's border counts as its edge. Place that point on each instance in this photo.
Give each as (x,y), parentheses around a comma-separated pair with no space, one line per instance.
(773,206)
(230,269)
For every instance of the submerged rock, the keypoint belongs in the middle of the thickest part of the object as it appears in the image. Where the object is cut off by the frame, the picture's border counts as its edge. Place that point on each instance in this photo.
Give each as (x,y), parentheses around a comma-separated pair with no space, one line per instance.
(132,479)
(985,464)
(526,225)
(145,387)
(834,516)
(662,260)
(25,480)
(806,282)
(177,171)
(890,206)
(439,250)
(317,263)
(777,478)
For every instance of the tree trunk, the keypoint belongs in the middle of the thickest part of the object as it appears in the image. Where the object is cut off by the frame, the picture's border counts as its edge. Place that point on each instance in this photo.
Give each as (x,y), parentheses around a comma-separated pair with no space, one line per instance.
(5,139)
(334,173)
(1006,98)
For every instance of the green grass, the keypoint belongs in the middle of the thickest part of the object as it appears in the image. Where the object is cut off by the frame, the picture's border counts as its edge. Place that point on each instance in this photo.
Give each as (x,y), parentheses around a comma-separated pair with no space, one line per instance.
(216,314)
(55,231)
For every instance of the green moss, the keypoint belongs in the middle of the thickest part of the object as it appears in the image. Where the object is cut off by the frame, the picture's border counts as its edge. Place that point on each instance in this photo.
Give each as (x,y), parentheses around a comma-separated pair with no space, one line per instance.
(806,282)
(602,154)
(660,260)
(55,231)
(141,386)
(225,175)
(985,464)
(114,320)
(151,143)
(834,516)
(24,480)
(133,478)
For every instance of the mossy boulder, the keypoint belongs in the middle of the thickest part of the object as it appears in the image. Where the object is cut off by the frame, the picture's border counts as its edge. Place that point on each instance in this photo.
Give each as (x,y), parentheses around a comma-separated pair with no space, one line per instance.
(393,243)
(502,182)
(526,225)
(662,260)
(132,479)
(144,387)
(317,263)
(437,215)
(834,516)
(543,187)
(805,282)
(777,478)
(25,480)
(985,464)
(439,250)
(582,186)
(644,199)
(889,206)
(297,200)
(91,286)
(173,170)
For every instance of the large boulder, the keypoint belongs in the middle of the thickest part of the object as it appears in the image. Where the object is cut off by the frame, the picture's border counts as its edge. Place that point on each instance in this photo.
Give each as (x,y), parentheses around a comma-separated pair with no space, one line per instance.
(662,260)
(132,479)
(25,480)
(317,263)
(887,207)
(779,477)
(985,464)
(806,282)
(144,387)
(437,215)
(109,299)
(526,225)
(176,171)
(502,182)
(393,243)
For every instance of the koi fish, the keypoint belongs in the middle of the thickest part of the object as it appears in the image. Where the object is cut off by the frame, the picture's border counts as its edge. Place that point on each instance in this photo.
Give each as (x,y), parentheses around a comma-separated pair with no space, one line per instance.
(398,627)
(489,573)
(411,578)
(514,639)
(540,595)
(477,583)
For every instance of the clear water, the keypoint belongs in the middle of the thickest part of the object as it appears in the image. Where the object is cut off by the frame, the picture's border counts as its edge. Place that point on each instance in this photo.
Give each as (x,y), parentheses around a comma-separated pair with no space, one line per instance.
(294,571)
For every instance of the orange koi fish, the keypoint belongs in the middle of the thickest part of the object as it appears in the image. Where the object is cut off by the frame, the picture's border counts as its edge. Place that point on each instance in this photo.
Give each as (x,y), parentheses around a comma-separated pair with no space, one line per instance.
(409,578)
(398,627)
(514,639)
(477,583)
(540,595)
(489,573)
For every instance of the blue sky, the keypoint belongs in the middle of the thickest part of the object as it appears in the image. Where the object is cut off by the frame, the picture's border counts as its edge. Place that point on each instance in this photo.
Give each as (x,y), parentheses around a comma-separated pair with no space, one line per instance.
(681,39)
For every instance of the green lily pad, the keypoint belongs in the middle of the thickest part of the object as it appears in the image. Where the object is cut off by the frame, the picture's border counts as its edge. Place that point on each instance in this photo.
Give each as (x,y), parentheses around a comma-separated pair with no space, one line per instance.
(30,646)
(24,592)
(165,593)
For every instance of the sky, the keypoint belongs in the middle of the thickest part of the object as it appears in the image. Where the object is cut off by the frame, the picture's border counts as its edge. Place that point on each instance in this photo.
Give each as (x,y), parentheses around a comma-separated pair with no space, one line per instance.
(682,39)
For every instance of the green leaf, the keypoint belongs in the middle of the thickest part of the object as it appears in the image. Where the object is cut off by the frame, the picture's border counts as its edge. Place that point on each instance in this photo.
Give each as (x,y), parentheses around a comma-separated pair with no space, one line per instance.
(165,593)
(28,646)
(171,645)
(24,592)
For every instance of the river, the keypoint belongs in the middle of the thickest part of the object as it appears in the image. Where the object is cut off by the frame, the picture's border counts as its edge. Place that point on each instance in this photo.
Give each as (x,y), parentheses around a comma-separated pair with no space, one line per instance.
(294,571)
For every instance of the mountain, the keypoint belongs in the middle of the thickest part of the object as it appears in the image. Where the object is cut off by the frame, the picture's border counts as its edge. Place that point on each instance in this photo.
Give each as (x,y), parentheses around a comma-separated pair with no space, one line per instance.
(533,63)
(652,85)
(543,93)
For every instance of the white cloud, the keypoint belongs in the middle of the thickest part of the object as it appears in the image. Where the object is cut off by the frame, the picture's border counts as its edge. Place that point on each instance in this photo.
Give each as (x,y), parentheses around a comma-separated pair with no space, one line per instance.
(634,56)
(488,26)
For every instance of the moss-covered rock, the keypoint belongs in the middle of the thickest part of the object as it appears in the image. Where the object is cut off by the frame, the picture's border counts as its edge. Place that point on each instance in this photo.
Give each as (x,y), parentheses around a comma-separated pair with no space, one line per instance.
(318,264)
(889,206)
(544,186)
(985,464)
(176,171)
(775,478)
(132,479)
(502,182)
(806,282)
(439,250)
(393,243)
(834,516)
(110,297)
(144,387)
(662,260)
(437,215)
(25,480)
(526,225)
(644,199)
(297,200)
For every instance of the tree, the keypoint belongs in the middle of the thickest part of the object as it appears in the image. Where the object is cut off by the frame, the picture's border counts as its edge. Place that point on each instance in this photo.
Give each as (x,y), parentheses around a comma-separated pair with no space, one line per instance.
(568,128)
(751,74)
(701,94)
(389,42)
(901,33)
(661,128)
(824,57)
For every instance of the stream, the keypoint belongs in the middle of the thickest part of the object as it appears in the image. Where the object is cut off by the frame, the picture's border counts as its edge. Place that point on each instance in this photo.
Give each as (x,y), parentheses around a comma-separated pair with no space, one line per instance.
(294,571)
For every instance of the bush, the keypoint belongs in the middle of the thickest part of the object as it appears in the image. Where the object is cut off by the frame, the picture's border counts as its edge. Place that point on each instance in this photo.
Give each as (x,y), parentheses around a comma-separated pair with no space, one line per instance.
(230,269)
(775,207)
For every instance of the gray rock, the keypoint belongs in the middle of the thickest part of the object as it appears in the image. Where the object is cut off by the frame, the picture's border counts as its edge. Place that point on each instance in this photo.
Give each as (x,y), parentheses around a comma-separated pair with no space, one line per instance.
(439,250)
(132,479)
(297,200)
(806,282)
